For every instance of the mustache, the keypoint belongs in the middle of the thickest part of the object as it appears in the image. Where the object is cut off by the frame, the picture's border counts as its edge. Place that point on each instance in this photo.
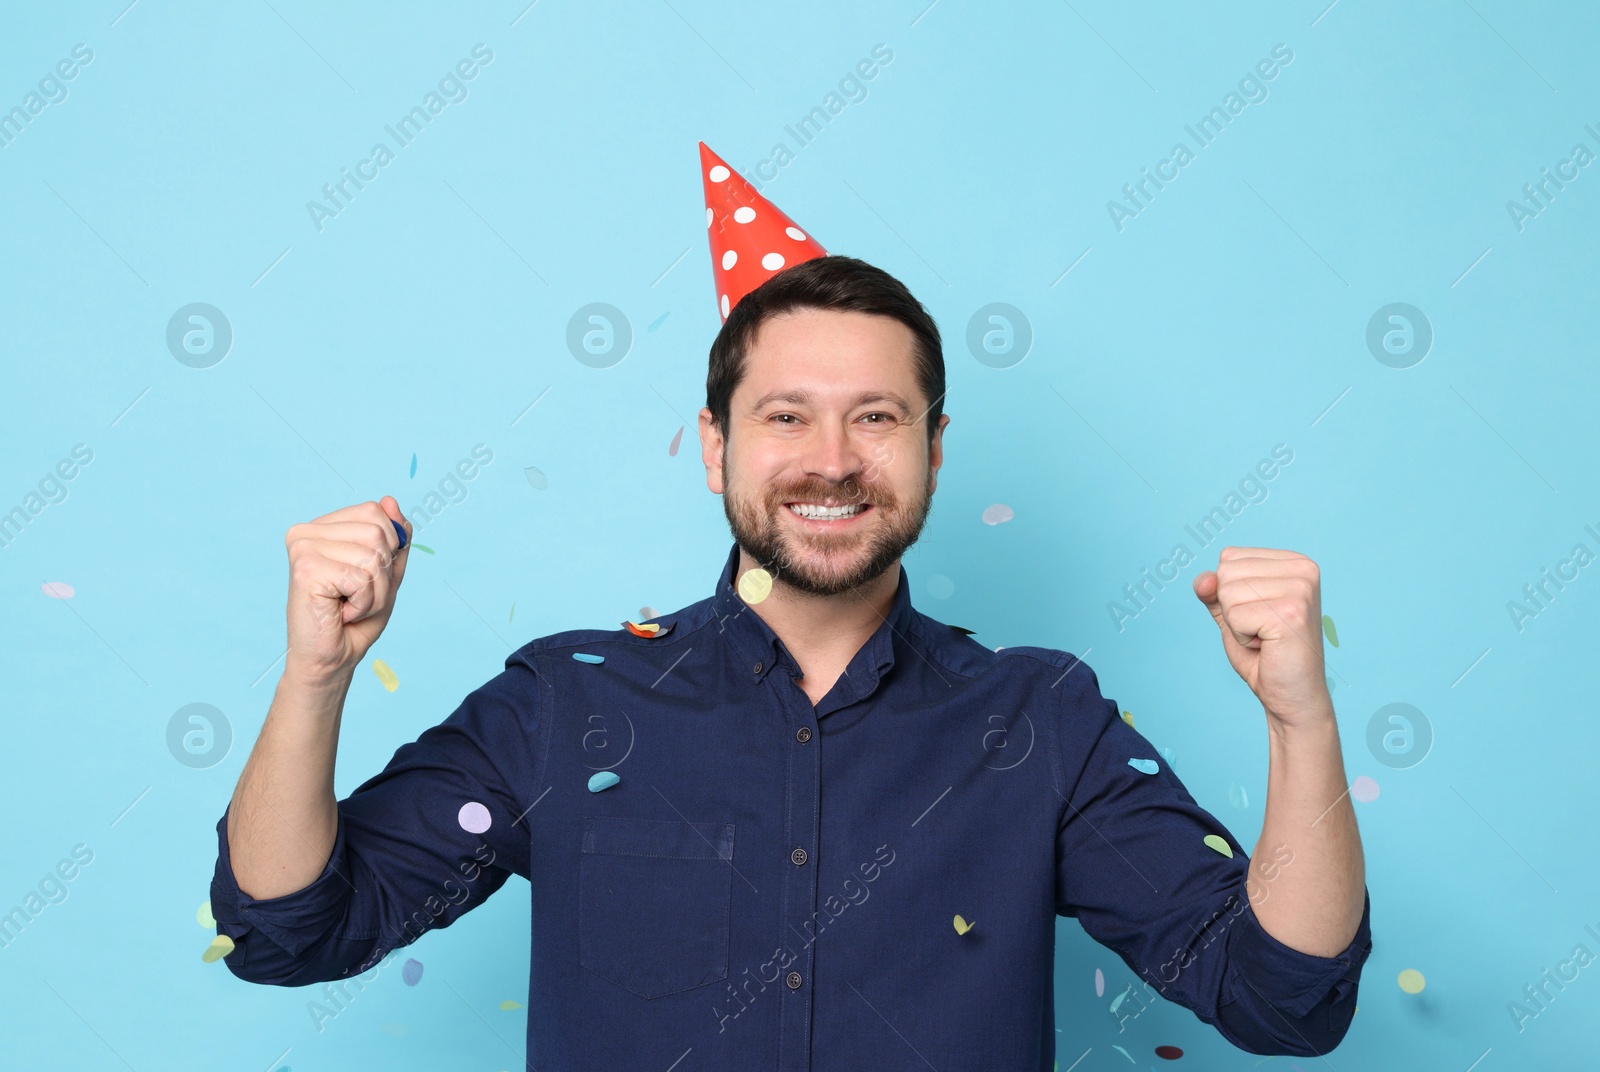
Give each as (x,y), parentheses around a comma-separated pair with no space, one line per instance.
(849,494)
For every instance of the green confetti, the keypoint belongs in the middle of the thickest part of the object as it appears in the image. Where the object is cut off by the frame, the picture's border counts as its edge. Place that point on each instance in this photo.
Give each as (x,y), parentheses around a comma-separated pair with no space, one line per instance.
(424,548)
(1329,631)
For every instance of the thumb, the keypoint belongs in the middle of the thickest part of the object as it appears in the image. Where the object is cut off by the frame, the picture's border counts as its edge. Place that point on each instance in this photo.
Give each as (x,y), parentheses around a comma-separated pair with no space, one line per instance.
(392,508)
(1205,590)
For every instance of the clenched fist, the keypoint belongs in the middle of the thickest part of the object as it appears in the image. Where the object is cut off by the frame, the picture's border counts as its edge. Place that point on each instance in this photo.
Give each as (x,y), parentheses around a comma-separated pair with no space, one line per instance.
(344,570)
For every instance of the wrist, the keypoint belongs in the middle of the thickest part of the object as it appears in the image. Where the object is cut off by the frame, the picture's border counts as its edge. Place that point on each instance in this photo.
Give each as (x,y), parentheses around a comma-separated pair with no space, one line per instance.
(323,683)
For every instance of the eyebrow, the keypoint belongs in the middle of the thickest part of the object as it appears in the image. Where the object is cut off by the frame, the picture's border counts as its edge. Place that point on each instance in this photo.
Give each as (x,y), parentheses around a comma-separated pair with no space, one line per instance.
(796,397)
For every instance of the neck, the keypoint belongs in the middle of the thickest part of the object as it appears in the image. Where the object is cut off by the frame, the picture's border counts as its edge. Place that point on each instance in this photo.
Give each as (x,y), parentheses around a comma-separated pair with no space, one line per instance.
(825,632)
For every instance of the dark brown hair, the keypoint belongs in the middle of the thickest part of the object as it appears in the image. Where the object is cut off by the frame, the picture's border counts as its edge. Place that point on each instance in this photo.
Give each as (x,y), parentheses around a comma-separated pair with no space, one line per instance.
(831,282)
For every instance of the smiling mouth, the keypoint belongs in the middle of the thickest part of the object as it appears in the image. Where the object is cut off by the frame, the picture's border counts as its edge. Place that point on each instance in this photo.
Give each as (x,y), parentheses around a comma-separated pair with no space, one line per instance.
(828,515)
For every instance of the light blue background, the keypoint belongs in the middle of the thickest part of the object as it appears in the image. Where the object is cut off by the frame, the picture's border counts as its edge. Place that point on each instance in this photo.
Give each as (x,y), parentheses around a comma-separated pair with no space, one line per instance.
(1229,316)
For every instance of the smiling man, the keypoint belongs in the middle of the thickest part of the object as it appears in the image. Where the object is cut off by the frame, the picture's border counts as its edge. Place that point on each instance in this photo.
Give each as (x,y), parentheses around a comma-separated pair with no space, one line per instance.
(799,823)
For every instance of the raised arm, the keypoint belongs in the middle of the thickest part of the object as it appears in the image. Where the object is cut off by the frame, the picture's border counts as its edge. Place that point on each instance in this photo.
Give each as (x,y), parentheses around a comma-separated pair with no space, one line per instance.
(344,570)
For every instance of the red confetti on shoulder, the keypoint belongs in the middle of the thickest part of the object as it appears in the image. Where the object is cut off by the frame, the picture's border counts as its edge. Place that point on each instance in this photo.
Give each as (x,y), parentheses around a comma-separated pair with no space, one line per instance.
(1168,1053)
(652,631)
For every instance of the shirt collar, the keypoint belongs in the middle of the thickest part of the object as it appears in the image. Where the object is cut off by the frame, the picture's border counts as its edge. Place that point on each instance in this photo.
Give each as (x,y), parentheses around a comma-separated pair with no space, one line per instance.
(761,649)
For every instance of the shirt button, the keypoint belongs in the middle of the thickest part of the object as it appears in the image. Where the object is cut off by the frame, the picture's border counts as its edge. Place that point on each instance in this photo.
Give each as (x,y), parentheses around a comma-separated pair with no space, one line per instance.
(759,666)
(803,734)
(798,856)
(793,980)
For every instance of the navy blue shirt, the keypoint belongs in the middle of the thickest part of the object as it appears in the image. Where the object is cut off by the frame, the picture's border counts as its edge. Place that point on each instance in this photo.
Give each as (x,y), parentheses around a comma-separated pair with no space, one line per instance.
(775,885)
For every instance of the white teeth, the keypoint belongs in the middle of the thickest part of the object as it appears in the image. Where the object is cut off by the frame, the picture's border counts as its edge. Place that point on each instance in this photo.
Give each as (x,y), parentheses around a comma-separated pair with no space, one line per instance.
(826,513)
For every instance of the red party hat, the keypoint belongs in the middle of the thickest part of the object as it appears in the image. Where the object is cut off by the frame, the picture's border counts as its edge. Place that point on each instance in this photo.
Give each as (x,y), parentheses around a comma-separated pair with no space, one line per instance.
(751,238)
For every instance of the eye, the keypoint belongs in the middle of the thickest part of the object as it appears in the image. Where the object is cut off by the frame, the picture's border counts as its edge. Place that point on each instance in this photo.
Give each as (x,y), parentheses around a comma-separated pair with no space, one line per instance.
(775,416)
(885,415)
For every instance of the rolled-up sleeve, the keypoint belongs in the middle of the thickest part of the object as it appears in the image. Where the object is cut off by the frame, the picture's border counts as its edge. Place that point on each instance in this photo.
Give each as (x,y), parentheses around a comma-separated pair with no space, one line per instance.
(418,845)
(1134,868)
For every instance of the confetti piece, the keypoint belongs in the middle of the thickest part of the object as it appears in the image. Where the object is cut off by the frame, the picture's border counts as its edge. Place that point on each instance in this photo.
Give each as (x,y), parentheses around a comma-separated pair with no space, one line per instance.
(1168,755)
(474,817)
(1120,998)
(1220,844)
(672,449)
(964,632)
(657,321)
(646,613)
(508,1005)
(385,675)
(652,629)
(203,916)
(397,1030)
(424,549)
(1127,716)
(57,589)
(1237,796)
(603,780)
(413,465)
(1168,1053)
(411,972)
(1364,789)
(1099,983)
(962,926)
(585,657)
(513,613)
(536,478)
(1144,766)
(222,945)
(998,514)
(755,585)
(1330,684)
(1124,1053)
(1411,981)
(1329,631)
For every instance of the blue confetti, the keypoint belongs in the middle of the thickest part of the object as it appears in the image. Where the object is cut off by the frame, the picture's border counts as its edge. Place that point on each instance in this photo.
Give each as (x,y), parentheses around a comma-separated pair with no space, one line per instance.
(411,972)
(1144,766)
(584,657)
(604,780)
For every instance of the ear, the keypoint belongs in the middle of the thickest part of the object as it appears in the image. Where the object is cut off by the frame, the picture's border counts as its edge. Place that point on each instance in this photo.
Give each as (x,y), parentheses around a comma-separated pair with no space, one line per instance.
(936,453)
(712,445)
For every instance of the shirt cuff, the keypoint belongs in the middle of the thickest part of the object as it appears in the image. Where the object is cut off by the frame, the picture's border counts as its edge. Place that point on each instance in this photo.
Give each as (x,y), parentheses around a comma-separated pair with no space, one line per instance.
(1296,981)
(292,921)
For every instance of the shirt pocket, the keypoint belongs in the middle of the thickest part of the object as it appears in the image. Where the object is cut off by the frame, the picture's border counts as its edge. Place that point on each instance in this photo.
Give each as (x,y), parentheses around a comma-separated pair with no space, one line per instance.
(654,903)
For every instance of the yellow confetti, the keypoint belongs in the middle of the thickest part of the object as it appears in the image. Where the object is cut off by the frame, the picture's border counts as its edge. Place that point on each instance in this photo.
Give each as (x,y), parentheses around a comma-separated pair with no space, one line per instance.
(508,1005)
(385,674)
(220,947)
(962,926)
(755,585)
(204,917)
(1411,981)
(1220,844)
(1127,716)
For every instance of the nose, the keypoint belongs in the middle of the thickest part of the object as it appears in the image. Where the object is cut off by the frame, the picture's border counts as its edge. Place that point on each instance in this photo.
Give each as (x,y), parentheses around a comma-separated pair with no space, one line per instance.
(833,454)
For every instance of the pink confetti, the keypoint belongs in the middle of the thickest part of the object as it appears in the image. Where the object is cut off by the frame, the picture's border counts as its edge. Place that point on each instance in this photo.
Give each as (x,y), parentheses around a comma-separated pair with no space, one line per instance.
(1364,789)
(57,589)
(998,514)
(672,451)
(473,817)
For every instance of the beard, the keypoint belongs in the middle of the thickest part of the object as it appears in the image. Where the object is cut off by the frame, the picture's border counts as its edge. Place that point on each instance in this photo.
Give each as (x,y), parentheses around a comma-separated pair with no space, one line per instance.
(823,563)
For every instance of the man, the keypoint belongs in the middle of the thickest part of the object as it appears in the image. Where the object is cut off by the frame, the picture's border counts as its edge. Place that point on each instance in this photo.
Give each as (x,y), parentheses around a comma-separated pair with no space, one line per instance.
(837,833)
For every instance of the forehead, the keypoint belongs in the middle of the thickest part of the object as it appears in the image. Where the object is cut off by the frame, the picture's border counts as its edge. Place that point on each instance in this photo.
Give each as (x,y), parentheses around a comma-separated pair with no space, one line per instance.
(831,355)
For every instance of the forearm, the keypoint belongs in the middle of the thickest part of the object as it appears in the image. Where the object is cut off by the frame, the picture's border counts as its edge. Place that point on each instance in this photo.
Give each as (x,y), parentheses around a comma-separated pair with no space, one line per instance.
(1314,902)
(284,815)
